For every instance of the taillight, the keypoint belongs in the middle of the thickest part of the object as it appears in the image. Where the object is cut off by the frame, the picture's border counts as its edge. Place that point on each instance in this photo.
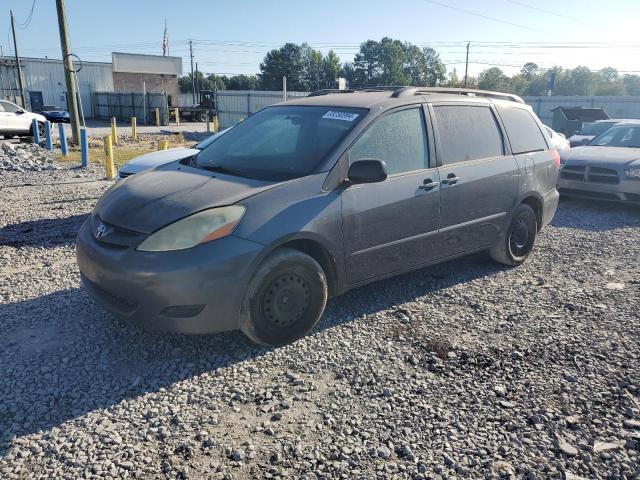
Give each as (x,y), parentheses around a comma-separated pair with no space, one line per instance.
(556,157)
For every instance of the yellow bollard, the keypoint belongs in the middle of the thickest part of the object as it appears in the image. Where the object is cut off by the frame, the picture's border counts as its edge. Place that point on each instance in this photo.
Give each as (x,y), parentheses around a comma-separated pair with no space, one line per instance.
(177,113)
(134,127)
(163,145)
(108,164)
(157,117)
(216,124)
(114,131)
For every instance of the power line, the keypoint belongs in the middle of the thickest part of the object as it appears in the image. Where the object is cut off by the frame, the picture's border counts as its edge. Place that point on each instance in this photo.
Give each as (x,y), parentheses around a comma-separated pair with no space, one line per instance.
(486,17)
(548,12)
(27,22)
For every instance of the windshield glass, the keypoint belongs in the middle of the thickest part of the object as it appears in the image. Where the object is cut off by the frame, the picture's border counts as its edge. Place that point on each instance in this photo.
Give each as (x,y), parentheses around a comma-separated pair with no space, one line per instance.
(209,140)
(281,142)
(619,137)
(594,128)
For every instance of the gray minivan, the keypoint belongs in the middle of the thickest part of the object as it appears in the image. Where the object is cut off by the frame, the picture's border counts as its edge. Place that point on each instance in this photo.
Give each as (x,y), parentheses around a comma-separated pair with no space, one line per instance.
(312,197)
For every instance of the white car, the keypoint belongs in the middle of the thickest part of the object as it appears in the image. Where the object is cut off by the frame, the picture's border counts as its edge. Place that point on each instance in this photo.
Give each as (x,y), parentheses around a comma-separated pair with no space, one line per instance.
(15,121)
(558,140)
(155,159)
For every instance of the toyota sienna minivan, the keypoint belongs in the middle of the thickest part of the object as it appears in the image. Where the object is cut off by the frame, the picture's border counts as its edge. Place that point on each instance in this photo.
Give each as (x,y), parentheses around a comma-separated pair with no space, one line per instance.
(309,198)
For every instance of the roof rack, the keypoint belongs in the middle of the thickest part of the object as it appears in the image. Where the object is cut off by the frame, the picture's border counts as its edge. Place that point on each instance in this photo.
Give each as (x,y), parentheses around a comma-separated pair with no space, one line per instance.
(330,91)
(409,91)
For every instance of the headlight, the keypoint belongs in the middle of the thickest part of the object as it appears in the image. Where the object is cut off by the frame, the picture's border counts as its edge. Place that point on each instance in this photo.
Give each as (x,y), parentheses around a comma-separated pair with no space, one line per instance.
(633,172)
(198,228)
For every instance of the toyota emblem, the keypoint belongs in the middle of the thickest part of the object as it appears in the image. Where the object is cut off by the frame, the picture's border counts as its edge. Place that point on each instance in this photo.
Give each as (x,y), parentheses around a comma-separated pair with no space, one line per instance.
(101,231)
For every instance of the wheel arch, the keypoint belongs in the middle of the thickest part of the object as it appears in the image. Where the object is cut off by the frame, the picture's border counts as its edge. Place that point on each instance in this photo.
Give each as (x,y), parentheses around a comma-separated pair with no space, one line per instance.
(534,200)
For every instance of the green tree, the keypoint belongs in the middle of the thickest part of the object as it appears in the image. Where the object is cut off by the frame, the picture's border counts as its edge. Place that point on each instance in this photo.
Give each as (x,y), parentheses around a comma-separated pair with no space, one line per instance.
(283,62)
(435,70)
(494,79)
(330,69)
(631,84)
(242,82)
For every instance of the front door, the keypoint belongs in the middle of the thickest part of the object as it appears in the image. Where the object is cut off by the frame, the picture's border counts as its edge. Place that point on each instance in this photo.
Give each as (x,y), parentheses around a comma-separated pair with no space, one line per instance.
(391,225)
(479,178)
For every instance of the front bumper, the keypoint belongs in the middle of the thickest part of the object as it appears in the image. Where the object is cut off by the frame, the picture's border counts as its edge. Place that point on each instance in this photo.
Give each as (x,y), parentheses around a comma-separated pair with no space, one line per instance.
(627,191)
(194,291)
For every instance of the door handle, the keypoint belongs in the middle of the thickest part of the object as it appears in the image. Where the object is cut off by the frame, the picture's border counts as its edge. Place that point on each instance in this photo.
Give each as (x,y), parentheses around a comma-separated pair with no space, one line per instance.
(428,184)
(451,179)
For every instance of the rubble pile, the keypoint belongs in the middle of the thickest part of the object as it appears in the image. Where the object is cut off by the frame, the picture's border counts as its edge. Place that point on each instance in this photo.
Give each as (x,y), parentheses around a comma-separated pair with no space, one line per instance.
(25,157)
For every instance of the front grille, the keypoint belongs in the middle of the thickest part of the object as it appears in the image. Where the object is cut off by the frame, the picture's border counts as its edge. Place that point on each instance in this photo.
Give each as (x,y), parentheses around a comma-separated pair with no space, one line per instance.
(587,194)
(633,197)
(582,173)
(115,236)
(121,304)
(602,175)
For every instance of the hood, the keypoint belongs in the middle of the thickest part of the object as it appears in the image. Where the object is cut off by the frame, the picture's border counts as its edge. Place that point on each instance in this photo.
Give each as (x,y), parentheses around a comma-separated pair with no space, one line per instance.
(155,159)
(150,200)
(600,155)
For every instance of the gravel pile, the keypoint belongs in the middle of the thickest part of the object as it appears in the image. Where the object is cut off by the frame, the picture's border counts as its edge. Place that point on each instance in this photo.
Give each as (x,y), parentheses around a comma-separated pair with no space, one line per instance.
(25,157)
(463,370)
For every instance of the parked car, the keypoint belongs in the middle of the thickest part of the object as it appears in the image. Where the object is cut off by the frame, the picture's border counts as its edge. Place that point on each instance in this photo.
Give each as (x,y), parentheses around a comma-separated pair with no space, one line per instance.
(591,130)
(55,114)
(154,159)
(608,168)
(15,121)
(312,197)
(558,140)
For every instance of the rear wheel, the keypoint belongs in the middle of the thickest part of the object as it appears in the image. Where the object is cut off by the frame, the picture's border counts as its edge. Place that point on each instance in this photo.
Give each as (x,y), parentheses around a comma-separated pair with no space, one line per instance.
(285,298)
(516,245)
(202,117)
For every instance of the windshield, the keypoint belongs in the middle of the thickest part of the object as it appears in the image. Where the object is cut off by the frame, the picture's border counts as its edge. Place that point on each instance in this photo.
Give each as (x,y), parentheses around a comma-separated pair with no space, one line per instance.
(50,107)
(209,140)
(595,128)
(628,136)
(281,142)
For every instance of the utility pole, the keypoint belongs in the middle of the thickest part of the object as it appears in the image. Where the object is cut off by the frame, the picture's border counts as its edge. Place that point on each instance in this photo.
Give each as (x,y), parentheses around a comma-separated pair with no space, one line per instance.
(197,82)
(466,65)
(15,48)
(69,70)
(193,79)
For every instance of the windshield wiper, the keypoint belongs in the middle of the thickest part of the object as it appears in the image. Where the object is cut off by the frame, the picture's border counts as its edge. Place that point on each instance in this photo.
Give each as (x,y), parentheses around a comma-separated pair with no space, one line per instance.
(220,169)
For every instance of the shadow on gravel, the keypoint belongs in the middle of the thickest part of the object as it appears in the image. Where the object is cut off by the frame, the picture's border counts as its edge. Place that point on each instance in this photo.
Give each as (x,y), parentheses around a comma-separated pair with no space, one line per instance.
(595,216)
(62,356)
(47,232)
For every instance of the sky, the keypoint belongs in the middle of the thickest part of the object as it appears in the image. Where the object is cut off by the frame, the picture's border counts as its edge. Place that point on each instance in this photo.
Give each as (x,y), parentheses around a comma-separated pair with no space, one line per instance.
(232,37)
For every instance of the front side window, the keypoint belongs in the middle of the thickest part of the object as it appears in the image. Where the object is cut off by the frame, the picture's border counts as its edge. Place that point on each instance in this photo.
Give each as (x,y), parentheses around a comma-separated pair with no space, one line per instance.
(595,128)
(467,133)
(618,137)
(281,142)
(9,107)
(400,139)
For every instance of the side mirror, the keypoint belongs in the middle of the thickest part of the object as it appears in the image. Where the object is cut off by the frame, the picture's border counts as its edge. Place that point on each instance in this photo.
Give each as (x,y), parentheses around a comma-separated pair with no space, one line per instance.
(19,112)
(367,171)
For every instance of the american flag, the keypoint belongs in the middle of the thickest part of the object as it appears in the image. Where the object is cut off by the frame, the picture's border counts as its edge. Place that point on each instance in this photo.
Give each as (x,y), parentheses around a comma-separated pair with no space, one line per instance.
(165,40)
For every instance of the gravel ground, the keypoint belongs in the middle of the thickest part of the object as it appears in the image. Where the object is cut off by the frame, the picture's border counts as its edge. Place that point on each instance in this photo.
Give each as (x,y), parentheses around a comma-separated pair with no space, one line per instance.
(463,370)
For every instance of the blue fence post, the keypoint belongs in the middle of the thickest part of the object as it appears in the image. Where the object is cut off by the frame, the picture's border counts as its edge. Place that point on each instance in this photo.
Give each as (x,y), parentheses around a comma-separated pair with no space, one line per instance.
(84,147)
(47,132)
(36,132)
(63,140)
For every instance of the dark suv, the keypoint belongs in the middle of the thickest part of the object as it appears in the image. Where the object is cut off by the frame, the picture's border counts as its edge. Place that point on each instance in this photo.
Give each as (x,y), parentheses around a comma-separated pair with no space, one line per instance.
(312,197)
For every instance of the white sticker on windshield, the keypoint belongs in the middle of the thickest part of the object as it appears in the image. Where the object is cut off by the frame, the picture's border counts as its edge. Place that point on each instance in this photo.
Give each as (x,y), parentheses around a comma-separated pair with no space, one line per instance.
(346,116)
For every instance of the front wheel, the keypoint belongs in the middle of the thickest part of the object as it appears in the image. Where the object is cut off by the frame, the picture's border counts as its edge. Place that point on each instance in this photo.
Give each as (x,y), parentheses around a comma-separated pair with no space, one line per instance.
(516,245)
(284,299)
(202,117)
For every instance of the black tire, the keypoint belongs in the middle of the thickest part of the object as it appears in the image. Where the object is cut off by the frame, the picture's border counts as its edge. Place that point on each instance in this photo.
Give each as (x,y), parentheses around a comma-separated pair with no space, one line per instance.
(516,245)
(284,299)
(202,117)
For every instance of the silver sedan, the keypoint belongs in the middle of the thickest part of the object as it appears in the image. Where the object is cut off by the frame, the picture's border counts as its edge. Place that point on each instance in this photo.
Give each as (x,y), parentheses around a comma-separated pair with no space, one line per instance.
(608,168)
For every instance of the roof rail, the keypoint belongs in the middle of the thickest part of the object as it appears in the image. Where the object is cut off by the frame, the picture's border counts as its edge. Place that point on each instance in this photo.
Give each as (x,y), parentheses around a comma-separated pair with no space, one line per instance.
(409,91)
(330,91)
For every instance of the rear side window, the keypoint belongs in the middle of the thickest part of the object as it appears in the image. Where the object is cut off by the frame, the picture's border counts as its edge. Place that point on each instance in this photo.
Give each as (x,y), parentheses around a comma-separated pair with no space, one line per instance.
(523,131)
(400,139)
(467,133)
